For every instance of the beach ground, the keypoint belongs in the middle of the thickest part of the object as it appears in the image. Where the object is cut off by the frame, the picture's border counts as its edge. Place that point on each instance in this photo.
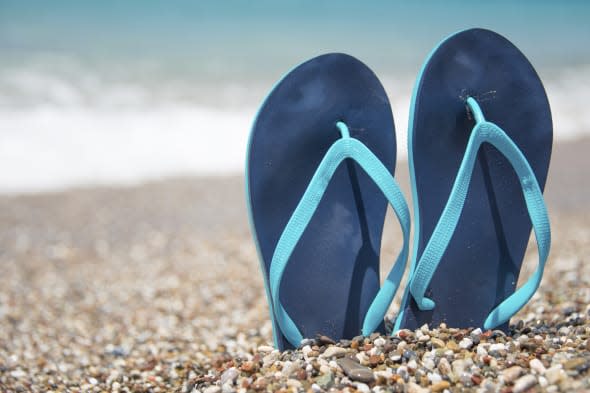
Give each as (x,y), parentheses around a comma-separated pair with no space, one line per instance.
(156,288)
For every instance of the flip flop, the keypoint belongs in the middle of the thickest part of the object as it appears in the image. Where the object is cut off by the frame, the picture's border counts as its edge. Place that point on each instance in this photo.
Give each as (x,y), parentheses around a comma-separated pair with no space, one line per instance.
(319,174)
(479,146)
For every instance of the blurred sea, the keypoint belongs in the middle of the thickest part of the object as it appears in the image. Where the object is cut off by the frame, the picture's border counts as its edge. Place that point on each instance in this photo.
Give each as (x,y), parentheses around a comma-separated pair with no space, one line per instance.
(115,92)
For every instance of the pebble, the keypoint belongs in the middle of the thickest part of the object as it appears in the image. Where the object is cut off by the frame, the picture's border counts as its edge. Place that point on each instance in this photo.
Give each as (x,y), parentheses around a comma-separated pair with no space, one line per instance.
(444,366)
(452,345)
(325,381)
(524,383)
(476,332)
(265,348)
(466,343)
(434,378)
(481,350)
(440,386)
(415,388)
(498,347)
(18,373)
(458,367)
(294,383)
(428,364)
(402,371)
(543,381)
(575,363)
(510,374)
(379,342)
(537,366)
(355,371)
(227,388)
(334,352)
(563,331)
(361,387)
(325,340)
(229,375)
(437,343)
(269,359)
(555,374)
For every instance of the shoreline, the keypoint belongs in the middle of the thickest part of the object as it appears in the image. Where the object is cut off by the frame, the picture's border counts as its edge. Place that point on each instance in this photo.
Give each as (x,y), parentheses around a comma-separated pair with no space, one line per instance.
(567,168)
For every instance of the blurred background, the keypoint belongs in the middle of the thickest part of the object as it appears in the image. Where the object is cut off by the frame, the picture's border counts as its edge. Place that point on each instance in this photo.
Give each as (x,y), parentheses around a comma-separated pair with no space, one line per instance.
(125,254)
(115,92)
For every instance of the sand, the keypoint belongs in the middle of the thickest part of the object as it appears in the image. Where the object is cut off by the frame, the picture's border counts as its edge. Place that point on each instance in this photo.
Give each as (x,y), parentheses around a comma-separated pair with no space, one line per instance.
(156,287)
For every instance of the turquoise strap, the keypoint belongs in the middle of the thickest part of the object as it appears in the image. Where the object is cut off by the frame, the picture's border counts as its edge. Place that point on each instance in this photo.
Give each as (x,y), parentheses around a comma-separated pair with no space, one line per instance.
(485,131)
(346,147)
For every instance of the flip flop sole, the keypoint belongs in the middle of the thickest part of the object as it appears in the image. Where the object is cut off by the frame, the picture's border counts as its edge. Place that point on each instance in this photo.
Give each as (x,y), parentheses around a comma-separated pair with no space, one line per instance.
(333,273)
(481,265)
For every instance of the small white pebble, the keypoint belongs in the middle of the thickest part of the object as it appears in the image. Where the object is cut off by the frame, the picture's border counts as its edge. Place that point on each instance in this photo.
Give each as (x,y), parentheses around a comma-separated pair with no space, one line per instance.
(481,351)
(424,338)
(555,374)
(362,358)
(227,388)
(434,378)
(429,364)
(477,332)
(537,366)
(524,383)
(564,331)
(375,351)
(18,373)
(466,343)
(293,383)
(384,373)
(266,348)
(543,382)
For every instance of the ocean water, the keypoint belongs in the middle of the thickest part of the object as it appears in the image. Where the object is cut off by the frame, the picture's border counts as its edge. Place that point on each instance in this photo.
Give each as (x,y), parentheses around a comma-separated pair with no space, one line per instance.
(115,92)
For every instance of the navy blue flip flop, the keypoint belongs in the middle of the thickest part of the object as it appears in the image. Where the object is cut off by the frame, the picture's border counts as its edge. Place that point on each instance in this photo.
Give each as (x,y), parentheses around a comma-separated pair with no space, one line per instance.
(319,175)
(479,146)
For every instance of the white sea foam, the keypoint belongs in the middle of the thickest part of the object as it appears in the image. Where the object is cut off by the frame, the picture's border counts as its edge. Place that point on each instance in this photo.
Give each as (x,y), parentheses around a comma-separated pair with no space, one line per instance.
(50,148)
(56,133)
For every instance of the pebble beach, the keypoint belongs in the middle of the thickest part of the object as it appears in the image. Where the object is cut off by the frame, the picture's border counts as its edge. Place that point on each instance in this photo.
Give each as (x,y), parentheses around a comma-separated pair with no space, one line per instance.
(156,288)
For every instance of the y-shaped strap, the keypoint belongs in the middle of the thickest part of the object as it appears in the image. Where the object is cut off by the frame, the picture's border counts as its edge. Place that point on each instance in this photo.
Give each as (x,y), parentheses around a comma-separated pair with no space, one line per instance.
(484,131)
(346,147)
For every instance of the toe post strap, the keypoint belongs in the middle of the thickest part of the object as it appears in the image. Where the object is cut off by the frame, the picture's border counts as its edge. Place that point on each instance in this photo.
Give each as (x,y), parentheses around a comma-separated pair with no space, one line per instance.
(346,147)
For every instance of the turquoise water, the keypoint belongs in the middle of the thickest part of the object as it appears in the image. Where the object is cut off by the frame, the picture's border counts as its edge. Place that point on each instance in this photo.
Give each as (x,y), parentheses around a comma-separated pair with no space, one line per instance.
(214,41)
(153,74)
